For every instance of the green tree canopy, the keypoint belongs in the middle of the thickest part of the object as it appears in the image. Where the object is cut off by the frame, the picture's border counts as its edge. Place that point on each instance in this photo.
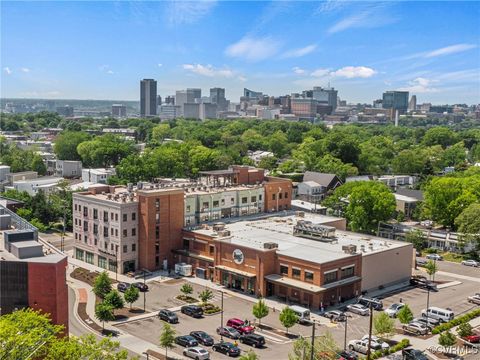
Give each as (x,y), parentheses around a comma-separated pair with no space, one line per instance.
(405,315)
(66,144)
(104,151)
(167,338)
(131,295)
(288,318)
(468,224)
(104,312)
(114,299)
(260,310)
(102,285)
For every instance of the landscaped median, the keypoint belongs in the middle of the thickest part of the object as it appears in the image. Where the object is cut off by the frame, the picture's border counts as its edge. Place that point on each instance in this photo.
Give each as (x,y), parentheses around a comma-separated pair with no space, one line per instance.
(457,321)
(391,350)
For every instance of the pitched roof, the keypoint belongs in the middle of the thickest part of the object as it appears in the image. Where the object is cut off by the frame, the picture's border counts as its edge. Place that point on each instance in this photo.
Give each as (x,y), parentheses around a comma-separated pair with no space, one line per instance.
(416,194)
(320,178)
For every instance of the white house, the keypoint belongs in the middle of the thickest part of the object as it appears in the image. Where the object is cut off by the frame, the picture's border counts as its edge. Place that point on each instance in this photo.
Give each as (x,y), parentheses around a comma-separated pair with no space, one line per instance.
(69,168)
(97,175)
(47,184)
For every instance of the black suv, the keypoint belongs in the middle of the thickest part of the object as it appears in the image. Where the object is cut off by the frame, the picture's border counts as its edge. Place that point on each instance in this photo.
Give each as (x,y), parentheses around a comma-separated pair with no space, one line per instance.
(192,310)
(168,316)
(202,337)
(376,304)
(186,341)
(413,354)
(226,348)
(254,340)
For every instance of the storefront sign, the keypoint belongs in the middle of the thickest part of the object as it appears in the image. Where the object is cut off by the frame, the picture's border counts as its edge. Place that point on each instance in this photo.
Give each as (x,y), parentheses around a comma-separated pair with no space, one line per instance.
(238,256)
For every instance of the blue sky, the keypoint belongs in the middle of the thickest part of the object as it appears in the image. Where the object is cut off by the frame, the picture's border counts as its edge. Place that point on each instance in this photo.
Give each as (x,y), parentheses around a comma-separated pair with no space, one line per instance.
(100,50)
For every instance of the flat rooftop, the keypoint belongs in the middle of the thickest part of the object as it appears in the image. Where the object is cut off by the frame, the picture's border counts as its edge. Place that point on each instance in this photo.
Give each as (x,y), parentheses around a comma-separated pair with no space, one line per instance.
(49,256)
(254,233)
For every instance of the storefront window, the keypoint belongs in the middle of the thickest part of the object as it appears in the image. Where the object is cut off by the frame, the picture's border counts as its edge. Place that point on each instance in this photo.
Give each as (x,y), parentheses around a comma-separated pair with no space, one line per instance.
(330,277)
(224,278)
(79,254)
(284,270)
(348,272)
(251,286)
(102,262)
(89,257)
(309,276)
(296,273)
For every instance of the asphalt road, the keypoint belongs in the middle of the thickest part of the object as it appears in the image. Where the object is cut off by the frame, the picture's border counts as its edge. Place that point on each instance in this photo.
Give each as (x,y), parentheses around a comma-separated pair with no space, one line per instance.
(56,240)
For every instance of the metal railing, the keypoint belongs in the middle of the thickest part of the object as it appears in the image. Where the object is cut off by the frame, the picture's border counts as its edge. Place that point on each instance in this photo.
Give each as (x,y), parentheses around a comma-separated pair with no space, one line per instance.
(18,222)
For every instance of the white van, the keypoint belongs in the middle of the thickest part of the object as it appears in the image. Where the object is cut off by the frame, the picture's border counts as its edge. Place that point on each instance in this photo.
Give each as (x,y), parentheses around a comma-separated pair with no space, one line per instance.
(302,313)
(438,313)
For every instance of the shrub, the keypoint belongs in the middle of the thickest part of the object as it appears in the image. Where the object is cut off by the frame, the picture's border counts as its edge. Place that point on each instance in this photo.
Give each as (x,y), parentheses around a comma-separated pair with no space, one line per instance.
(455,322)
(464,329)
(393,349)
(431,251)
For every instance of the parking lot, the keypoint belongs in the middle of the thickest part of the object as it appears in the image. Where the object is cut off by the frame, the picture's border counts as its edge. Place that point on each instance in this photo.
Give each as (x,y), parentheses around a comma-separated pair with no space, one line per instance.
(162,295)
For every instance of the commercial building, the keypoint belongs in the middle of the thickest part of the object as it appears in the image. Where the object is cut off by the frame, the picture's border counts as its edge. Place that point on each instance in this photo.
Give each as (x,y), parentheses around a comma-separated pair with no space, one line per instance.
(304,258)
(128,228)
(119,110)
(191,110)
(4,170)
(47,184)
(252,95)
(169,111)
(148,97)
(30,275)
(217,96)
(208,111)
(327,96)
(397,100)
(304,108)
(412,104)
(97,176)
(188,96)
(68,168)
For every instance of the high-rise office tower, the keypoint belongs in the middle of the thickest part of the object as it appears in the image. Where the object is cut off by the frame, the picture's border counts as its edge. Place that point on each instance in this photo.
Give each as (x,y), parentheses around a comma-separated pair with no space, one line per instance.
(412,104)
(326,96)
(148,97)
(217,96)
(188,96)
(396,100)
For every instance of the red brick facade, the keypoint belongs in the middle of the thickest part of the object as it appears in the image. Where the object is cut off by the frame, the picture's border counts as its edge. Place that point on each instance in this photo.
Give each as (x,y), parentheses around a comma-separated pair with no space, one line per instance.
(278,194)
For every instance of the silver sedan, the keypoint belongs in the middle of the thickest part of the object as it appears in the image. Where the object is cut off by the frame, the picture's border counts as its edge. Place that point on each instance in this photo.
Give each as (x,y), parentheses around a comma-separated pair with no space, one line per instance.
(197,353)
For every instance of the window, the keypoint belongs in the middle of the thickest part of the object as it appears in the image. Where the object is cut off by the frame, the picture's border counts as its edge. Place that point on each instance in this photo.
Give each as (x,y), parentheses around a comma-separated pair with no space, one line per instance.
(157,232)
(105,216)
(134,247)
(232,201)
(125,233)
(111,231)
(125,217)
(85,211)
(116,217)
(85,239)
(95,214)
(260,197)
(296,273)
(309,276)
(105,232)
(157,203)
(111,216)
(330,277)
(116,232)
(186,244)
(95,229)
(157,218)
(79,254)
(89,257)
(95,242)
(215,203)
(76,236)
(205,205)
(244,200)
(85,226)
(111,247)
(75,221)
(134,232)
(274,196)
(157,249)
(223,202)
(254,199)
(157,261)
(125,248)
(79,207)
(102,262)
(280,196)
(212,249)
(75,207)
(348,272)
(105,245)
(188,208)
(286,195)
(284,269)
(134,216)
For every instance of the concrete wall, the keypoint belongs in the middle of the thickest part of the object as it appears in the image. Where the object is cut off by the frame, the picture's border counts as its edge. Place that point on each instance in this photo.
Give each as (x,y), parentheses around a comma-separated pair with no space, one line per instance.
(387,267)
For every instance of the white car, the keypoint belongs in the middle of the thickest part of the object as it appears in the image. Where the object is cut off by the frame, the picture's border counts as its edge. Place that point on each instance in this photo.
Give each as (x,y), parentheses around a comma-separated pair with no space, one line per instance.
(475,299)
(197,353)
(434,257)
(393,309)
(416,328)
(471,263)
(376,342)
(358,309)
(361,346)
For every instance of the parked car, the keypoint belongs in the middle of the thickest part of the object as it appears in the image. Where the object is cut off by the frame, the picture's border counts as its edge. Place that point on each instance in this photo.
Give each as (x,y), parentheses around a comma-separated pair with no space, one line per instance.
(168,316)
(122,286)
(474,299)
(303,314)
(434,257)
(257,341)
(471,263)
(393,309)
(440,314)
(358,309)
(365,301)
(140,286)
(335,315)
(430,323)
(421,262)
(474,338)
(376,342)
(415,328)
(413,354)
(226,348)
(348,355)
(228,332)
(241,326)
(202,337)
(192,310)
(197,353)
(186,341)
(361,346)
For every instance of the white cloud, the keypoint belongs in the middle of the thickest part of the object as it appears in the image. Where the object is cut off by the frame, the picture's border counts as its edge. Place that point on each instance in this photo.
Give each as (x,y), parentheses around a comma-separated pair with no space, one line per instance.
(420,85)
(209,70)
(110,72)
(106,69)
(159,65)
(330,6)
(25,70)
(373,16)
(351,72)
(242,78)
(295,53)
(453,49)
(298,70)
(7,70)
(253,49)
(188,12)
(320,72)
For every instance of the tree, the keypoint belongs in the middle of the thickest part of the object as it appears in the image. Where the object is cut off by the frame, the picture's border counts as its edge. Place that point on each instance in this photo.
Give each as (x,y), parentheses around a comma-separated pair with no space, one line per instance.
(268,163)
(325,348)
(405,314)
(104,312)
(104,151)
(38,165)
(186,289)
(114,299)
(417,238)
(288,318)
(383,325)
(160,132)
(431,268)
(102,285)
(260,310)
(440,136)
(250,355)
(205,295)
(67,142)
(167,338)
(131,295)
(468,224)
(464,329)
(330,164)
(447,339)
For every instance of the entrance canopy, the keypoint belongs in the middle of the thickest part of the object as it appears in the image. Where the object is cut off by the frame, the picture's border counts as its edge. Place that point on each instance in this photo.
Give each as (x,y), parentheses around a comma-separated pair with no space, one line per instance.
(235,271)
(286,281)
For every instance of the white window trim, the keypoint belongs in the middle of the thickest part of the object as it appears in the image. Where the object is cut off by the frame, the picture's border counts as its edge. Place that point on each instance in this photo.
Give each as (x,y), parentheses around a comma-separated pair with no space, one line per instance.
(330,271)
(348,266)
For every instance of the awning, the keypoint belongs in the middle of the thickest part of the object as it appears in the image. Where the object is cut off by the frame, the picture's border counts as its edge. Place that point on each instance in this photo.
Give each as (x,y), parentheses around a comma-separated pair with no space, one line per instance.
(342,282)
(235,271)
(193,256)
(286,281)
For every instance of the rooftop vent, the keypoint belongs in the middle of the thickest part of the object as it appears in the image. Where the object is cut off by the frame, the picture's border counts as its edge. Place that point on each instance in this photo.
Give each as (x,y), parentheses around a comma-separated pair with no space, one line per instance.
(224,233)
(300,214)
(270,245)
(218,226)
(139,185)
(349,249)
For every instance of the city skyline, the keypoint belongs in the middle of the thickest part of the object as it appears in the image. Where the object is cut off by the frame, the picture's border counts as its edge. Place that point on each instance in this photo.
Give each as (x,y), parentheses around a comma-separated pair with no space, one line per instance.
(285,48)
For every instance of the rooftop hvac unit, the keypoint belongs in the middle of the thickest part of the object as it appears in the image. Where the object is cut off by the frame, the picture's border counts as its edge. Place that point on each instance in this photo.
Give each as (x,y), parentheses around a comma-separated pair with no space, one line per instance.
(300,214)
(349,249)
(109,196)
(270,245)
(140,185)
(218,226)
(224,233)
(129,186)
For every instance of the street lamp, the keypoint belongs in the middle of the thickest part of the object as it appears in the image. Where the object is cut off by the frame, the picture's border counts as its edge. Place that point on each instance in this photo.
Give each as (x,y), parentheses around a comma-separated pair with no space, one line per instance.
(345,336)
(221,319)
(146,354)
(144,292)
(313,342)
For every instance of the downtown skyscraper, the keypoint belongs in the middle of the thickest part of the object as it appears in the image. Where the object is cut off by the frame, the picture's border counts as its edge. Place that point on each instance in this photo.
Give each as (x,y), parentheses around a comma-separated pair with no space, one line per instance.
(148,98)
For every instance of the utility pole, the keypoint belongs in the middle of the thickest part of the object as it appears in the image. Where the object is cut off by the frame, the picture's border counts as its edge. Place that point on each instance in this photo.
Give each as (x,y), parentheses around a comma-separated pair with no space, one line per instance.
(345,336)
(144,292)
(369,349)
(221,319)
(313,342)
